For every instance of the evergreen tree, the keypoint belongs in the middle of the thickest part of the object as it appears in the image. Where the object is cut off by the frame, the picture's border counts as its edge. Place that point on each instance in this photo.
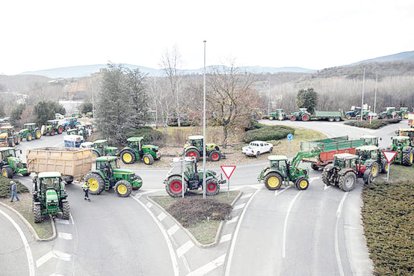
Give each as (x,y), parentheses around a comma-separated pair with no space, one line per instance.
(307,98)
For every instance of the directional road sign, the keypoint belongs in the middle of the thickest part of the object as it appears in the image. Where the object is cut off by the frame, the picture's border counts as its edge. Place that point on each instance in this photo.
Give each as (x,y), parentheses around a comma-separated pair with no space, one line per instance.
(290,137)
(228,170)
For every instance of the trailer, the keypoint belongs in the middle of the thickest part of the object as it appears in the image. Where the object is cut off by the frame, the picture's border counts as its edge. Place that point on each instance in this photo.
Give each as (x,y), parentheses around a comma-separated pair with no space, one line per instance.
(72,163)
(326,149)
(327,116)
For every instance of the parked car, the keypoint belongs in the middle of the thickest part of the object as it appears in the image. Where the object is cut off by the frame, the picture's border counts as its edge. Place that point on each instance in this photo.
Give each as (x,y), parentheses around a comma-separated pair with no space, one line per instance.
(256,148)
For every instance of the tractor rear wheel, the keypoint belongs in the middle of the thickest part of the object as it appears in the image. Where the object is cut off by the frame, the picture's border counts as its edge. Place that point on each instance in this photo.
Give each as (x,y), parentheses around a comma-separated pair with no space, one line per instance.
(29,137)
(148,159)
(7,172)
(347,181)
(123,188)
(37,213)
(95,182)
(368,177)
(407,159)
(128,157)
(65,210)
(302,183)
(193,153)
(305,117)
(273,181)
(174,186)
(38,134)
(375,169)
(212,187)
(214,156)
(293,118)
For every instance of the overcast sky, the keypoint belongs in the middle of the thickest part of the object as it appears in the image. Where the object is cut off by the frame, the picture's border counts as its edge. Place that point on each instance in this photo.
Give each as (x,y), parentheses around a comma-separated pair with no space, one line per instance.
(42,34)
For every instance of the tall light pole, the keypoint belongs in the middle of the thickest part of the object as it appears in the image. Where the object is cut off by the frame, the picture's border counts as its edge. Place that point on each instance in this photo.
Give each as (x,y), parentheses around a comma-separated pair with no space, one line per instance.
(375,95)
(204,122)
(363,91)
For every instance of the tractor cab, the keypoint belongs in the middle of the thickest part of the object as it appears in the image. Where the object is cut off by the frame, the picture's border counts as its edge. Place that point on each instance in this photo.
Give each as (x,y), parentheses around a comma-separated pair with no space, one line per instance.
(367,152)
(53,123)
(135,142)
(280,163)
(370,140)
(409,132)
(345,160)
(101,148)
(30,126)
(196,141)
(107,164)
(8,137)
(10,164)
(6,153)
(398,142)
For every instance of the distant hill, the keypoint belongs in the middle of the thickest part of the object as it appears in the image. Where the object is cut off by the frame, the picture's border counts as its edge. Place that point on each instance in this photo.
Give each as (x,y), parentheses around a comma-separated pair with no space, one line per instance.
(400,57)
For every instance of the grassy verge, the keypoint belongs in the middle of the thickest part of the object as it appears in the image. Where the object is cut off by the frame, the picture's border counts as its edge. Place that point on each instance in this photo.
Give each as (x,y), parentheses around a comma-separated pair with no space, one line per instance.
(202,219)
(374,124)
(44,229)
(388,217)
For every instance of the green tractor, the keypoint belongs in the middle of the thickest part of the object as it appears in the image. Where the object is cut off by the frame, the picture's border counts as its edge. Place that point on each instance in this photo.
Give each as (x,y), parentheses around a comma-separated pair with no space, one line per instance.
(281,171)
(194,148)
(10,164)
(301,115)
(52,128)
(279,114)
(193,178)
(403,112)
(407,132)
(372,158)
(108,175)
(345,171)
(49,196)
(136,151)
(389,113)
(30,132)
(101,148)
(78,130)
(405,152)
(9,137)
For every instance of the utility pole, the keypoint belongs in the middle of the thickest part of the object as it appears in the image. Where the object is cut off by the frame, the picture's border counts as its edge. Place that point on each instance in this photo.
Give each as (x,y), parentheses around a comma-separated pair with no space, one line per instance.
(363,92)
(376,87)
(268,96)
(204,122)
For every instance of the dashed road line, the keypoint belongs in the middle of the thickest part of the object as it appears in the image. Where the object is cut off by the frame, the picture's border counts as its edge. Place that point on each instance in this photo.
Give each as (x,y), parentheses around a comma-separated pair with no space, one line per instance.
(240,206)
(278,192)
(65,236)
(232,220)
(173,229)
(162,216)
(285,224)
(184,248)
(246,196)
(208,267)
(29,255)
(225,238)
(149,204)
(53,254)
(338,215)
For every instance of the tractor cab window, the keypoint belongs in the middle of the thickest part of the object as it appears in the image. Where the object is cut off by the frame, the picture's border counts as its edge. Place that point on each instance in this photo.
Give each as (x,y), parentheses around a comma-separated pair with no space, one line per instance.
(49,183)
(374,154)
(274,164)
(114,164)
(340,163)
(352,163)
(9,153)
(189,171)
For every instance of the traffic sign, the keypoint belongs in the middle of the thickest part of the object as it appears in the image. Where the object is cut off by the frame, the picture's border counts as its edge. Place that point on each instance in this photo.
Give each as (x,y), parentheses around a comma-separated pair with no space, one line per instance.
(389,155)
(228,170)
(290,137)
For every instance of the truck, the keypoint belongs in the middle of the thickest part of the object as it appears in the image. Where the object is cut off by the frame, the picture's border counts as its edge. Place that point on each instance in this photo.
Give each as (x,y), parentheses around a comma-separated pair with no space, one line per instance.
(327,148)
(72,163)
(304,115)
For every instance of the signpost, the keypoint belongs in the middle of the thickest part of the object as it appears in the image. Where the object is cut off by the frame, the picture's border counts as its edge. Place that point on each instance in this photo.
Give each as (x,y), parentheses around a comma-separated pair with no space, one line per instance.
(289,138)
(389,155)
(228,171)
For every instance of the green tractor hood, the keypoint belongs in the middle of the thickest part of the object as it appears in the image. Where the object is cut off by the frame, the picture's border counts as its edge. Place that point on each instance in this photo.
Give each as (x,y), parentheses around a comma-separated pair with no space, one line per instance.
(150,147)
(52,201)
(17,165)
(128,175)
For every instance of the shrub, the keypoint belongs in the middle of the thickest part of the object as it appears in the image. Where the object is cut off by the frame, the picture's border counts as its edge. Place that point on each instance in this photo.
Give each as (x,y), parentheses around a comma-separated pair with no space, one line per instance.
(375,124)
(150,135)
(267,133)
(5,187)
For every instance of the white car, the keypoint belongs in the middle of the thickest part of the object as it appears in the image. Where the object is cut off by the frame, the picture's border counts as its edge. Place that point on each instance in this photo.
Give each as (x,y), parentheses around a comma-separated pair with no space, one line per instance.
(256,148)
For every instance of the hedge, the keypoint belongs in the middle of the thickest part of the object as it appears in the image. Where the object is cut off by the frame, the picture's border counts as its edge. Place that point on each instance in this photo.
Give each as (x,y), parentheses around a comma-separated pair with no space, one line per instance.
(375,124)
(267,133)
(5,187)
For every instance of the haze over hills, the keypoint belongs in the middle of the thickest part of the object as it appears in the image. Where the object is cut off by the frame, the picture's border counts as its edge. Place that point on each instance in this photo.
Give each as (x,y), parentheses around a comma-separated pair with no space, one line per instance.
(385,63)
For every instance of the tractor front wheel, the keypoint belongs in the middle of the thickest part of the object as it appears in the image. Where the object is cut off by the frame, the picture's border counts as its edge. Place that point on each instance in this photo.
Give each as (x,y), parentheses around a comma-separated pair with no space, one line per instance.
(38,134)
(273,181)
(37,213)
(7,172)
(95,182)
(212,187)
(407,159)
(128,157)
(302,184)
(65,210)
(174,186)
(215,156)
(193,153)
(138,178)
(375,169)
(29,137)
(305,117)
(347,182)
(123,188)
(148,159)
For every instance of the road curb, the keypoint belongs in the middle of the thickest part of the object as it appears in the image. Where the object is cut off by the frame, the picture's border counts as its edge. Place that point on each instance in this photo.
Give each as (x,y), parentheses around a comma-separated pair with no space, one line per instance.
(195,241)
(32,230)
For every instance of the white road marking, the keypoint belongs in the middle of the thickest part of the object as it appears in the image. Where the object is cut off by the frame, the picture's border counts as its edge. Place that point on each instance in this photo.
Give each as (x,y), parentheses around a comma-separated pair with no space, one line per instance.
(29,255)
(71,219)
(167,240)
(240,206)
(173,229)
(208,267)
(65,236)
(184,248)
(278,192)
(149,204)
(225,238)
(338,215)
(326,187)
(62,221)
(162,216)
(246,196)
(138,195)
(232,220)
(285,224)
(313,178)
(52,254)
(236,233)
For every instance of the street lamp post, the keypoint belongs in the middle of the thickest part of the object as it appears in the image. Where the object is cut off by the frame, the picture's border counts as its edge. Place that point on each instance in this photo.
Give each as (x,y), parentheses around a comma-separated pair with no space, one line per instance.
(204,122)
(363,92)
